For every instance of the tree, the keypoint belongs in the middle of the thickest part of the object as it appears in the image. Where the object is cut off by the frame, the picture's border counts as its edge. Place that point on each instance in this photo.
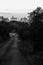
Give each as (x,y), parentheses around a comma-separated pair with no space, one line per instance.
(24,20)
(36,14)
(4,31)
(36,29)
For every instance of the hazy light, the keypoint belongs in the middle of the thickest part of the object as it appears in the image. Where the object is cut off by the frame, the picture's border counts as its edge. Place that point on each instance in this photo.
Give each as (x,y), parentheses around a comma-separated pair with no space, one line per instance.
(19,6)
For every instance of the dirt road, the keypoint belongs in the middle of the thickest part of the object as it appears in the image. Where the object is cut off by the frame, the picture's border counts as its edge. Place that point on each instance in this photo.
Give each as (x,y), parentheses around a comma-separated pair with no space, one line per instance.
(13,55)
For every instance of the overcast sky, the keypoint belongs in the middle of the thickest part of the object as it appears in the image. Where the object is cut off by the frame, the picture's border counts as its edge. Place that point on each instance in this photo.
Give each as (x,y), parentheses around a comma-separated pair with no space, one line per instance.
(19,6)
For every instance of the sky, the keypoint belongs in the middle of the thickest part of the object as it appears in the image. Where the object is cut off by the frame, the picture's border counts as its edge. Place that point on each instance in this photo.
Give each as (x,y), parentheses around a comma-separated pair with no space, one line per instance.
(19,6)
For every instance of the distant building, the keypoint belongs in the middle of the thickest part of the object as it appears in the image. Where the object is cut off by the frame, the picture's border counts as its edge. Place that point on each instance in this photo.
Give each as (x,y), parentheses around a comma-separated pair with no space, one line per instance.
(13,18)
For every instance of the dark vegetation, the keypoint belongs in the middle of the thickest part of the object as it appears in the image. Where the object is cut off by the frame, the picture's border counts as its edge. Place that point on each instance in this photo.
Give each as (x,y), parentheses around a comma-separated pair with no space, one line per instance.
(31,35)
(4,33)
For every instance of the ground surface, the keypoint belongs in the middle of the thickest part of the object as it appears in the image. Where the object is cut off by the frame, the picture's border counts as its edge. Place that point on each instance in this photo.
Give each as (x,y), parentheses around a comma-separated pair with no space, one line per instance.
(12,56)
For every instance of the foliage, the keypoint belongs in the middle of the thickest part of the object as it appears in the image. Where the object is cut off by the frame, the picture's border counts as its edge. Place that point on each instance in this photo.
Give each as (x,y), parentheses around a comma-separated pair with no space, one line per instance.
(30,35)
(36,14)
(4,33)
(36,29)
(33,33)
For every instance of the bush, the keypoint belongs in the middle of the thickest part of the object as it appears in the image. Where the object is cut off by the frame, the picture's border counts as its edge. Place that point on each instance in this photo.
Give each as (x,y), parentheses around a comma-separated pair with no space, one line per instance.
(4,32)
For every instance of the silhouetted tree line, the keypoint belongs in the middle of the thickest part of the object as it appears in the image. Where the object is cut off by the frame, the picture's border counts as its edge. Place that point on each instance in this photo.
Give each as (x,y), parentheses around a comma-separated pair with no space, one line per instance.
(31,35)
